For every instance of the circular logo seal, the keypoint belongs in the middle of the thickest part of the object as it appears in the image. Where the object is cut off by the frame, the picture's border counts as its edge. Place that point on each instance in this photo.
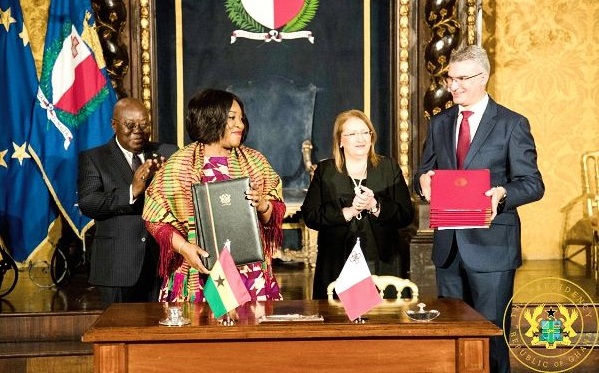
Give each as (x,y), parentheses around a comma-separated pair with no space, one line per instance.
(553,335)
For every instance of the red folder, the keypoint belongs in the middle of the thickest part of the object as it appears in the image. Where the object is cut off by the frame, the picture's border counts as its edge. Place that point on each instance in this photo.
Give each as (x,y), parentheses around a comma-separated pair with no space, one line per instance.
(458,199)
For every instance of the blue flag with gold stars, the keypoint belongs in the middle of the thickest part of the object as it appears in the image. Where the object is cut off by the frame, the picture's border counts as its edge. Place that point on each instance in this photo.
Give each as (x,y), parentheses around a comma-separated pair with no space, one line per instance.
(47,121)
(75,100)
(26,207)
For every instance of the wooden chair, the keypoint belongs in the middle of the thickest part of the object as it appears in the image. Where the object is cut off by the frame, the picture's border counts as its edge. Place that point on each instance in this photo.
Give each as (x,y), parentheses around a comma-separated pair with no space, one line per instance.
(590,166)
(584,233)
(384,282)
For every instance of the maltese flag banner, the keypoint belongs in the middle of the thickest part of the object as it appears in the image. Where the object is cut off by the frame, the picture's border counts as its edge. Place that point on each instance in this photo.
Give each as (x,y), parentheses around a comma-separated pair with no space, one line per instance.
(76,78)
(355,287)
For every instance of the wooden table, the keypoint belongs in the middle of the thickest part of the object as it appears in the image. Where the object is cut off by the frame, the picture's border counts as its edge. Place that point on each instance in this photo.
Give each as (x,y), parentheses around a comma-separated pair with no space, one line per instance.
(128,338)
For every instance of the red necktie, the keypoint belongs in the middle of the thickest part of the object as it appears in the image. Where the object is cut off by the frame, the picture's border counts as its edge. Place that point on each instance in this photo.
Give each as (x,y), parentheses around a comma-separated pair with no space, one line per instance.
(463,138)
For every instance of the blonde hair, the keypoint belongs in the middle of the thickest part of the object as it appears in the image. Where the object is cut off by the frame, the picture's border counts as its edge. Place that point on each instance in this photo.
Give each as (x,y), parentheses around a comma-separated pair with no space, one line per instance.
(338,154)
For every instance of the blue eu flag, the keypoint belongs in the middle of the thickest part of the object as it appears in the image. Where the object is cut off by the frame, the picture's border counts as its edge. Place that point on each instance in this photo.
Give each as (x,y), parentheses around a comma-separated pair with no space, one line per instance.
(26,207)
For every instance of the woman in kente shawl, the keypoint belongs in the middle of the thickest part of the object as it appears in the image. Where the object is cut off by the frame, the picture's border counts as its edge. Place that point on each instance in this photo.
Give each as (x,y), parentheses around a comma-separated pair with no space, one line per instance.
(217,127)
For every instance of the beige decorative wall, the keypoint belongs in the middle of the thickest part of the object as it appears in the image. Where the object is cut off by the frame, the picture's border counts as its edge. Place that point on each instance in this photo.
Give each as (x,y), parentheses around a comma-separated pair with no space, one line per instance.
(545,57)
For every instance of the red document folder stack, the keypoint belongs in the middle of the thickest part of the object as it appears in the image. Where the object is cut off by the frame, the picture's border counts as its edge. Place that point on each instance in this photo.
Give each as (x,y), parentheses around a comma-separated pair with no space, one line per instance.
(458,199)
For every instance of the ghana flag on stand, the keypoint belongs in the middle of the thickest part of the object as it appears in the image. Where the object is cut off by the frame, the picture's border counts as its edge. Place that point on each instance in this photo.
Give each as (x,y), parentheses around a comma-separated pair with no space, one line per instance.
(224,290)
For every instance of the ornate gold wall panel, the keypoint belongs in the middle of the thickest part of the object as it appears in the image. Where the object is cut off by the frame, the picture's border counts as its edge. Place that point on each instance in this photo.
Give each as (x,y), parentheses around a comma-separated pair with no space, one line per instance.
(401,98)
(546,66)
(111,19)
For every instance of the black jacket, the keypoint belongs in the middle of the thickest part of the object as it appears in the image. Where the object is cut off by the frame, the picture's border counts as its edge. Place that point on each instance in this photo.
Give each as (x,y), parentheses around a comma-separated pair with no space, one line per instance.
(329,192)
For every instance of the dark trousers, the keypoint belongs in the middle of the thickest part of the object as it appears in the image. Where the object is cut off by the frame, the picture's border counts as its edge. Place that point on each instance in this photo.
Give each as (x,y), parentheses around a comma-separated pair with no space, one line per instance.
(487,292)
(144,290)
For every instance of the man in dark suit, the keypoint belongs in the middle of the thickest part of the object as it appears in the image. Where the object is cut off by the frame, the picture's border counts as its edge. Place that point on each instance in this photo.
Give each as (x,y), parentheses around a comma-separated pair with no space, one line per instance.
(112,180)
(479,265)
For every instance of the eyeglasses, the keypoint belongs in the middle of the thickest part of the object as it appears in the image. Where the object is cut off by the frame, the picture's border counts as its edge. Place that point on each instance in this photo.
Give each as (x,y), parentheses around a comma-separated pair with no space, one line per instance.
(353,135)
(459,79)
(130,125)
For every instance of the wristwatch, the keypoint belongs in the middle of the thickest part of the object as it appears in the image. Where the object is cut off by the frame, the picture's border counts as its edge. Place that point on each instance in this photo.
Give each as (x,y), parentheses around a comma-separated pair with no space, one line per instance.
(502,200)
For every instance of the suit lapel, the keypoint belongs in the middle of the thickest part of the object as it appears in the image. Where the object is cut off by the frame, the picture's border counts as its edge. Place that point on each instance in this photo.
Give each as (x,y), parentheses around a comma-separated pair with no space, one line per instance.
(487,123)
(120,162)
(450,135)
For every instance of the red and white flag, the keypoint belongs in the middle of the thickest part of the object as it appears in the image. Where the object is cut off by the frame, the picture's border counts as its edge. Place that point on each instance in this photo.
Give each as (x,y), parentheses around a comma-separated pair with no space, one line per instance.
(273,13)
(355,287)
(76,78)
(76,82)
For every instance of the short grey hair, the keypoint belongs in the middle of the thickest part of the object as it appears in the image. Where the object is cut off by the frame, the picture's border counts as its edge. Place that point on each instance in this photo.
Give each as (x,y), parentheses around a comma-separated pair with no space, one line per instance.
(474,53)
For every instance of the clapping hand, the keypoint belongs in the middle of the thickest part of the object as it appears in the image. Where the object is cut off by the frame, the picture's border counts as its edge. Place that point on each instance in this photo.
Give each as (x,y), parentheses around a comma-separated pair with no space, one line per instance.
(364,200)
(151,165)
(145,172)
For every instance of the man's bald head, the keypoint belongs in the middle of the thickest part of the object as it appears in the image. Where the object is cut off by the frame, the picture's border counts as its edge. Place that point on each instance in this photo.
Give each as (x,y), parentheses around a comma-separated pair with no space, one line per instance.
(131,124)
(128,104)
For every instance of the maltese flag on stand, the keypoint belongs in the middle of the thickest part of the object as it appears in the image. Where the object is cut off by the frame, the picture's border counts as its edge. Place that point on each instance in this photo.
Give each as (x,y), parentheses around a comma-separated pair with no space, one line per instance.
(355,287)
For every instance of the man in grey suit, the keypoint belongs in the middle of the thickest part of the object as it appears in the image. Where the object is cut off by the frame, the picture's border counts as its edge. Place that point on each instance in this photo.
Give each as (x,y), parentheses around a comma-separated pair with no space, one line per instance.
(112,180)
(479,265)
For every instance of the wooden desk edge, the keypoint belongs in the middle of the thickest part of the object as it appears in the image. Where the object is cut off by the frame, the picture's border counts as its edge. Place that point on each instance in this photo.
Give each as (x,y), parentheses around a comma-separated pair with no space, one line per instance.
(281,332)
